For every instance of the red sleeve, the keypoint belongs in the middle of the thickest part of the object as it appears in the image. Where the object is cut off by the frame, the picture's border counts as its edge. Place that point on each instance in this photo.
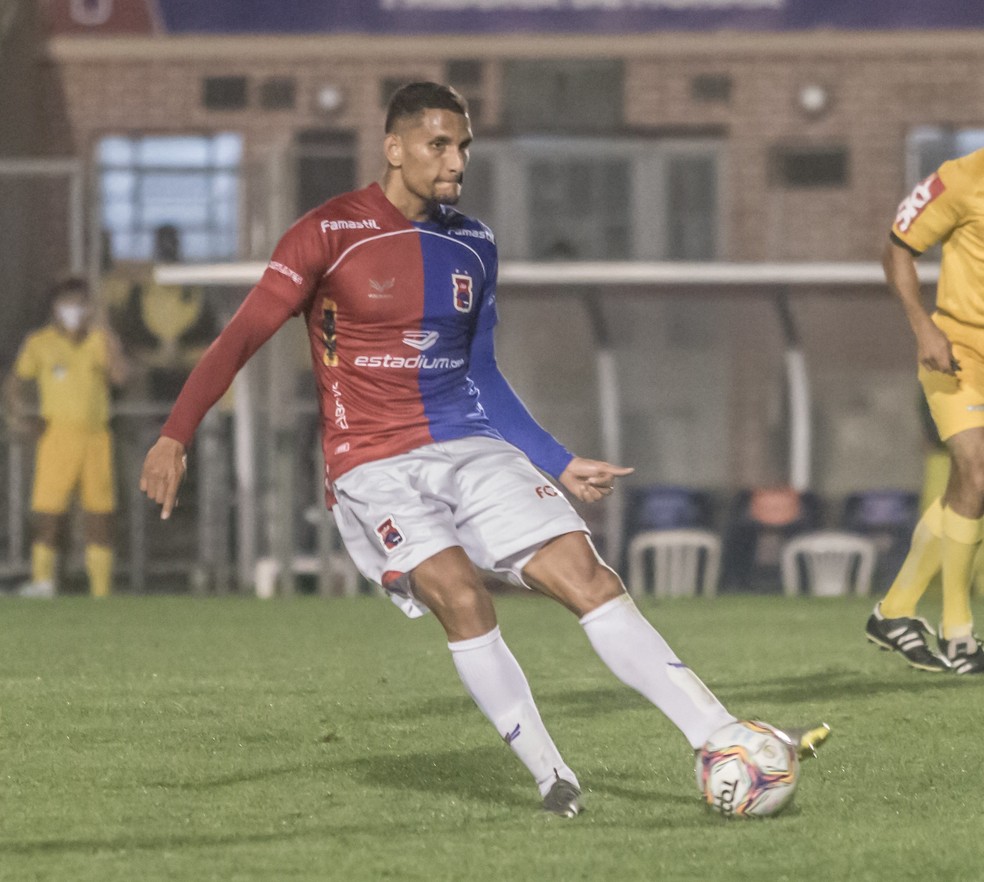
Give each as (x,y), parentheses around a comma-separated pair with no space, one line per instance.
(298,263)
(253,324)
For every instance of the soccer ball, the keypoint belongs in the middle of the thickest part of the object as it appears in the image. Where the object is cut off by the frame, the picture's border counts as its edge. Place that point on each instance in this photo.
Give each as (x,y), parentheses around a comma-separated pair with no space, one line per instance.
(747,769)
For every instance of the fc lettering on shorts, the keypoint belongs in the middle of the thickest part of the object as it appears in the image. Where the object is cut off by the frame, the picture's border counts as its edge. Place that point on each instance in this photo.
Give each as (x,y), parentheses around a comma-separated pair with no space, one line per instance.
(912,206)
(389,534)
(462,286)
(546,490)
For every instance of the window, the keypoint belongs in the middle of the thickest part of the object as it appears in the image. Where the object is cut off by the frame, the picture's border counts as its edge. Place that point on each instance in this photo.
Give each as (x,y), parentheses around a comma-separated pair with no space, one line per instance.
(278,93)
(565,198)
(711,88)
(809,166)
(224,93)
(563,96)
(928,147)
(154,190)
(326,166)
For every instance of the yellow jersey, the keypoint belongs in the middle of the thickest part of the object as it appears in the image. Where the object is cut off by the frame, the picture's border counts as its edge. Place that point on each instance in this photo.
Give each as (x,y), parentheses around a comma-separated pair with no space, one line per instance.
(948,207)
(72,379)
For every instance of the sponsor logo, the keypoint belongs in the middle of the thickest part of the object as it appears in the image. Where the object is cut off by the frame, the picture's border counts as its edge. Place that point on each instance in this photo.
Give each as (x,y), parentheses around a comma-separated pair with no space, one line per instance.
(335,225)
(379,290)
(462,287)
(421,340)
(389,534)
(475,234)
(412,362)
(546,490)
(341,420)
(330,355)
(975,407)
(725,800)
(912,206)
(510,737)
(278,267)
(343,448)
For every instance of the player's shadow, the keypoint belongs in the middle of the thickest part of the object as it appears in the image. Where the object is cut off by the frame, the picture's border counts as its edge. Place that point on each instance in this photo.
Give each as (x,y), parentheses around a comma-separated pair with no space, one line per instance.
(214,782)
(579,702)
(124,843)
(484,774)
(840,685)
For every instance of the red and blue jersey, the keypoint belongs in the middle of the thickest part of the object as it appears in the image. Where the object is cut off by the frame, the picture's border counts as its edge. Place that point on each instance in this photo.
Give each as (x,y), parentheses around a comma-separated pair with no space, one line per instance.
(400,318)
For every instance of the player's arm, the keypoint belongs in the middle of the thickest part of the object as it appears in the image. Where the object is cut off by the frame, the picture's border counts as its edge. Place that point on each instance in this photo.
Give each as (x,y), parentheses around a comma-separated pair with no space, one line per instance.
(933,209)
(587,479)
(254,323)
(298,262)
(932,346)
(17,391)
(117,364)
(15,396)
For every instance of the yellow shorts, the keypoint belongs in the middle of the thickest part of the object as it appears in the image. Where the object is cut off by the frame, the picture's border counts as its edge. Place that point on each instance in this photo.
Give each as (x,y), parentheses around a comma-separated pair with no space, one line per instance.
(70,457)
(957,403)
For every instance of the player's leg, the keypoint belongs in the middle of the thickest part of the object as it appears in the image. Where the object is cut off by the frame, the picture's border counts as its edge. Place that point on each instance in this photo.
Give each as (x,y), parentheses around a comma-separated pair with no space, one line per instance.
(57,465)
(569,570)
(963,522)
(893,624)
(450,586)
(397,519)
(98,502)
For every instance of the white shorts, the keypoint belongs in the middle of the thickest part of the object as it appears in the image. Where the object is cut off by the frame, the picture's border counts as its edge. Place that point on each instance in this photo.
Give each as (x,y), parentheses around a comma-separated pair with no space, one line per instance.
(478,493)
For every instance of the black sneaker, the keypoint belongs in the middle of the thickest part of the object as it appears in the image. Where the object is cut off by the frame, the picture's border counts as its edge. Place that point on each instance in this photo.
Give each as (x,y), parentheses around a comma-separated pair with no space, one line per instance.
(907,636)
(563,799)
(965,654)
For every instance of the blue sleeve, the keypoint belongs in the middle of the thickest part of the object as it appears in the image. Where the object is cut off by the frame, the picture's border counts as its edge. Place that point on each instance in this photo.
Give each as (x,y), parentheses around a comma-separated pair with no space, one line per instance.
(502,405)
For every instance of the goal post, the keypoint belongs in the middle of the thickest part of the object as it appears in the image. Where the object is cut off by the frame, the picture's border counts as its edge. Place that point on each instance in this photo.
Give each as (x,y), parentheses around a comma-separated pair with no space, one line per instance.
(590,283)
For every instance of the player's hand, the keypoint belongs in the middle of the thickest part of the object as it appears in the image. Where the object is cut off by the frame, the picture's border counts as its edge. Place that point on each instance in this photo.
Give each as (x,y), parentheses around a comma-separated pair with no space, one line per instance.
(163,469)
(934,350)
(590,479)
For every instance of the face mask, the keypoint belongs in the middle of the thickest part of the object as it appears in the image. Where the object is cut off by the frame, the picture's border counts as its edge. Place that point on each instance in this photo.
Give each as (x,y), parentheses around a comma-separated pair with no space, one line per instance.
(71,316)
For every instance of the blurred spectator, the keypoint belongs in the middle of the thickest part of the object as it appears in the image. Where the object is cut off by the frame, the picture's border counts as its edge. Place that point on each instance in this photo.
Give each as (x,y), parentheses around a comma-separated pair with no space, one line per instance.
(72,361)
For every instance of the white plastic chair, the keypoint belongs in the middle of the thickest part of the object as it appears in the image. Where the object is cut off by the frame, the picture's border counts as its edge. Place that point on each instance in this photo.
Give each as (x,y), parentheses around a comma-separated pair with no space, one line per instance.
(834,564)
(683,562)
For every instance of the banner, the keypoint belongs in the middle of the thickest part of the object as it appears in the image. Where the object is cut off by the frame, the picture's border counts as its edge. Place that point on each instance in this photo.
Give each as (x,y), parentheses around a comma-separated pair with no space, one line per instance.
(506,16)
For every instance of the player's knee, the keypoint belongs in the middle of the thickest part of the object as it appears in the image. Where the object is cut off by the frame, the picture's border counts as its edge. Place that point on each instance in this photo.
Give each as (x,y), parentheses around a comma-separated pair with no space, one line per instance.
(588,586)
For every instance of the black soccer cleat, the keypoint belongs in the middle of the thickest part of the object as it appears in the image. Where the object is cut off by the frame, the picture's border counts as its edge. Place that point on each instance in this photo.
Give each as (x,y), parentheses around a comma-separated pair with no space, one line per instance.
(965,654)
(563,799)
(906,636)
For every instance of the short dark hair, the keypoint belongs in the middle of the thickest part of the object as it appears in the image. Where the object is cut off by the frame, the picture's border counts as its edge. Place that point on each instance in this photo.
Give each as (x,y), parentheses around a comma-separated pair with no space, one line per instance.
(73,285)
(411,99)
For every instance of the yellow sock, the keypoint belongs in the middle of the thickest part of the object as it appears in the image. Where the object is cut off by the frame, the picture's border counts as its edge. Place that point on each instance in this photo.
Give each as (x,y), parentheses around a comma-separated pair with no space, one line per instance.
(920,565)
(961,540)
(43,559)
(99,567)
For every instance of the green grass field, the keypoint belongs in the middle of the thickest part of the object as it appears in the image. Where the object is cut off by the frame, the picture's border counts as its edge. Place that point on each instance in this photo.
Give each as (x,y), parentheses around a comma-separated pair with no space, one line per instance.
(174,738)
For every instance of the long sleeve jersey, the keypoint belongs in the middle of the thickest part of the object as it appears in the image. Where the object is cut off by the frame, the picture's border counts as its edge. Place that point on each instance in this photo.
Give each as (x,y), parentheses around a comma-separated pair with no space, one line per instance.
(400,318)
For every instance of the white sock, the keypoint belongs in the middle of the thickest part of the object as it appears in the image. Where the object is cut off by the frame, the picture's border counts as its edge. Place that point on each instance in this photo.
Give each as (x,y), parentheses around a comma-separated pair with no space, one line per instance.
(636,654)
(498,685)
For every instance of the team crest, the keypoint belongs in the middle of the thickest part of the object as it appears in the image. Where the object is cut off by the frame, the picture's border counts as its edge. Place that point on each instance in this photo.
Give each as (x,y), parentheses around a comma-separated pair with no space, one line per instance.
(462,291)
(389,534)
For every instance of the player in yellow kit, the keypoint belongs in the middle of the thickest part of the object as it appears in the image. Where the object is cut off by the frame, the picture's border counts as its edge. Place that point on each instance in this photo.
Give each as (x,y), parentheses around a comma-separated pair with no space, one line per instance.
(948,207)
(73,364)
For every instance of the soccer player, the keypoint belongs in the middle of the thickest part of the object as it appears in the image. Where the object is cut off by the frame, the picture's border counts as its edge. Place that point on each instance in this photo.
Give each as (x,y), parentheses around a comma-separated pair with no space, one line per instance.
(431,458)
(947,207)
(73,364)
